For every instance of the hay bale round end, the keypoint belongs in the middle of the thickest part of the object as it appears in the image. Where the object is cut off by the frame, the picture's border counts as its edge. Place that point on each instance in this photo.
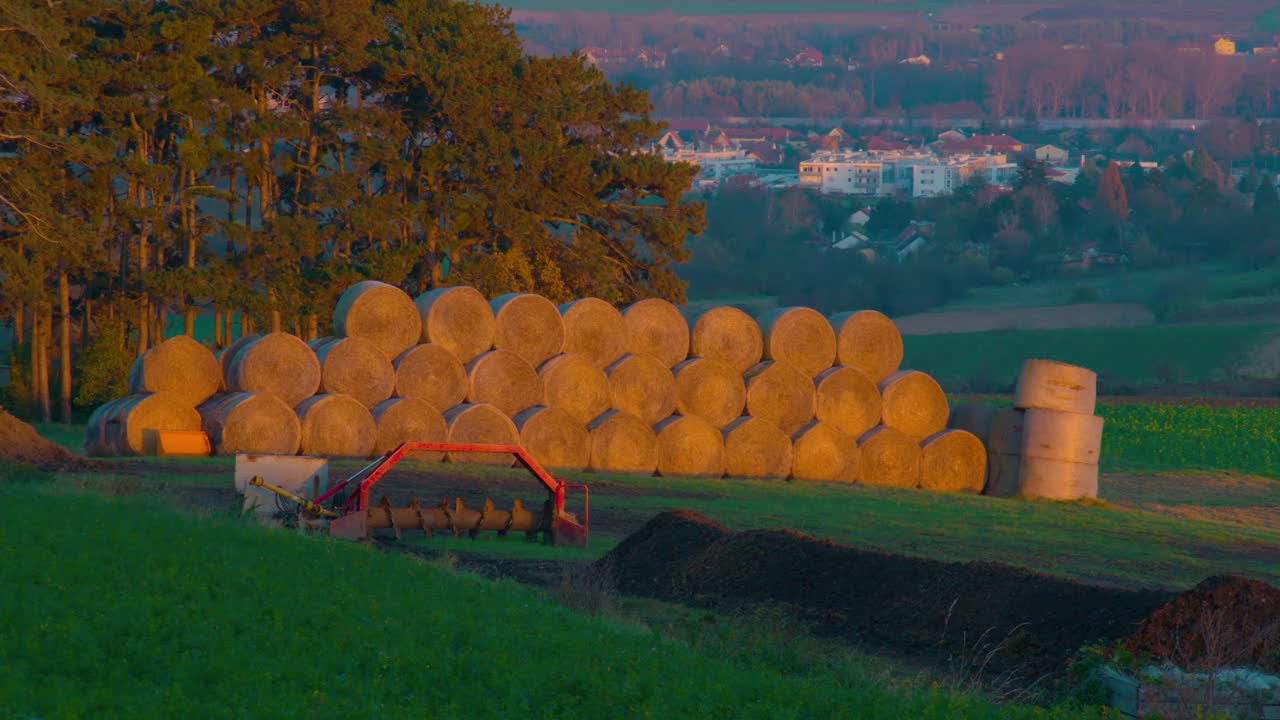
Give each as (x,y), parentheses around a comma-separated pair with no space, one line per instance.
(953,461)
(458,319)
(780,393)
(355,366)
(481,423)
(380,313)
(848,399)
(756,448)
(179,366)
(528,325)
(709,389)
(279,364)
(869,341)
(555,438)
(594,328)
(655,327)
(914,403)
(889,458)
(336,426)
(402,420)
(132,422)
(573,383)
(622,442)
(689,446)
(504,380)
(250,424)
(642,386)
(800,336)
(432,373)
(822,452)
(727,334)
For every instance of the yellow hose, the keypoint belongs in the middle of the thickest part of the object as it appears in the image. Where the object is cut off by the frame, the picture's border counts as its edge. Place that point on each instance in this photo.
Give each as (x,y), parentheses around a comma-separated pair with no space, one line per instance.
(306,504)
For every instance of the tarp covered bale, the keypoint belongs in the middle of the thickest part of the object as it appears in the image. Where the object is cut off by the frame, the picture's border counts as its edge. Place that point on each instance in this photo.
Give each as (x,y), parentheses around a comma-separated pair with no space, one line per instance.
(279,364)
(869,341)
(975,417)
(572,383)
(178,366)
(1054,435)
(593,328)
(228,353)
(656,327)
(1007,425)
(336,426)
(504,380)
(132,423)
(913,403)
(710,389)
(642,386)
(481,423)
(728,334)
(251,424)
(355,366)
(756,448)
(822,452)
(780,393)
(382,314)
(97,441)
(554,438)
(689,446)
(432,373)
(320,342)
(848,399)
(1051,385)
(1057,479)
(799,336)
(953,461)
(458,319)
(889,458)
(402,420)
(528,325)
(622,442)
(1002,475)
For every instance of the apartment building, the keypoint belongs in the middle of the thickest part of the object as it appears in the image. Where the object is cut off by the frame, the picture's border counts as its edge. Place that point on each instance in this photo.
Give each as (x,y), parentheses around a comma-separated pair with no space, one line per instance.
(919,174)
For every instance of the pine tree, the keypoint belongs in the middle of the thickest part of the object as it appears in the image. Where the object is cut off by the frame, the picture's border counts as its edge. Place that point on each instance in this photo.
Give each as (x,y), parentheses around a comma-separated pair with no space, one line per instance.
(1111,193)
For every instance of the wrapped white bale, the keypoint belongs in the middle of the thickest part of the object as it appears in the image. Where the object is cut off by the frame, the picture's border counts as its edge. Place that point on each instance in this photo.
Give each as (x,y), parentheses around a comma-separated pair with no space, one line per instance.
(528,325)
(869,341)
(799,336)
(97,442)
(402,420)
(356,367)
(336,426)
(228,353)
(889,458)
(756,448)
(1007,426)
(1057,479)
(178,366)
(478,423)
(689,446)
(780,393)
(594,329)
(251,424)
(504,380)
(710,389)
(953,461)
(642,386)
(457,319)
(1002,475)
(572,383)
(382,314)
(1054,435)
(279,364)
(132,423)
(848,399)
(554,438)
(656,327)
(622,442)
(974,417)
(728,334)
(1050,385)
(432,373)
(913,403)
(822,452)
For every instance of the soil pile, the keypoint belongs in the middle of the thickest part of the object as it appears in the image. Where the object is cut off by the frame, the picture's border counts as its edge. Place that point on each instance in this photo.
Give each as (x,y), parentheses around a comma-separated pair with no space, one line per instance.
(19,442)
(648,561)
(1225,621)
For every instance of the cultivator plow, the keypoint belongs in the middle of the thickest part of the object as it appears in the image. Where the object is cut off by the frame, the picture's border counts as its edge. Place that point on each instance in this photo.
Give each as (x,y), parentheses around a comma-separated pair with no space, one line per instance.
(346,511)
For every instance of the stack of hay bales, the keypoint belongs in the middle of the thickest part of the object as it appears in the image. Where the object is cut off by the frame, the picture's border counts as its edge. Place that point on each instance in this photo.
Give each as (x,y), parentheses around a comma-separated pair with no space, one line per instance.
(1061,437)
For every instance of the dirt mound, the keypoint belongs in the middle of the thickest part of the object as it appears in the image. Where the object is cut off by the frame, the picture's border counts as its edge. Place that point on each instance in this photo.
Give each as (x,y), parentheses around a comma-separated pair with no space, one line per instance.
(19,442)
(1224,621)
(648,561)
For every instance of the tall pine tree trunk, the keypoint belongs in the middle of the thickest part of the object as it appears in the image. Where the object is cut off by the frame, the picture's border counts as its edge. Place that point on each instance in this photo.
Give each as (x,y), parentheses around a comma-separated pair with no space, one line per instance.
(64,345)
(19,324)
(228,333)
(218,338)
(44,335)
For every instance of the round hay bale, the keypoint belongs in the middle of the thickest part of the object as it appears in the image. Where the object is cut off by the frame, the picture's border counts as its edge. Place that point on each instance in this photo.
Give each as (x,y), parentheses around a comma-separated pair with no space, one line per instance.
(975,417)
(430,372)
(527,325)
(554,437)
(799,336)
(1054,435)
(756,448)
(481,423)
(869,341)
(710,389)
(382,314)
(654,326)
(180,367)
(822,452)
(889,458)
(1056,479)
(913,403)
(572,383)
(504,380)
(279,364)
(97,443)
(1002,475)
(250,423)
(402,420)
(642,386)
(780,393)
(728,334)
(320,342)
(132,422)
(336,426)
(689,446)
(228,353)
(1051,385)
(622,442)
(457,319)
(1006,431)
(354,366)
(848,399)
(953,461)
(594,328)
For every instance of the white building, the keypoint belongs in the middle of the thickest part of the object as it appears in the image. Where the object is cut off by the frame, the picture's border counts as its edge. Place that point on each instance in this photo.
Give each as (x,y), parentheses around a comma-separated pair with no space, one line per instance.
(715,164)
(919,174)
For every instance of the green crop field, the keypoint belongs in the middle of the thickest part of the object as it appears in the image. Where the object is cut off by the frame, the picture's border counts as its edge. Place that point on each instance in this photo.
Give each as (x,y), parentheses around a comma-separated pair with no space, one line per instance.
(1191,437)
